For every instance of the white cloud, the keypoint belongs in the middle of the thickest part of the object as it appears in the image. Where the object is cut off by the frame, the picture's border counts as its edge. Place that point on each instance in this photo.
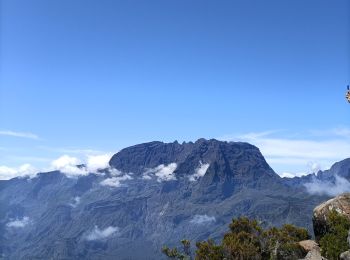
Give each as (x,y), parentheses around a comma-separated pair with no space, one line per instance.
(340,185)
(24,170)
(162,172)
(115,172)
(146,177)
(115,181)
(101,234)
(75,203)
(291,175)
(293,154)
(202,219)
(19,134)
(68,165)
(63,161)
(200,171)
(18,223)
(98,162)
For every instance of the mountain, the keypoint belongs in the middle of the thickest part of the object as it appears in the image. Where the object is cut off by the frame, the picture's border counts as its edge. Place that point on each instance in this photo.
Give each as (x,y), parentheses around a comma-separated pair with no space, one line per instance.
(339,173)
(152,194)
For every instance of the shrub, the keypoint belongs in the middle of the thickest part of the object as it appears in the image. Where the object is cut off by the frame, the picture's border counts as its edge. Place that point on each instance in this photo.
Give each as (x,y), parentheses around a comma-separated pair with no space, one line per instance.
(334,242)
(247,240)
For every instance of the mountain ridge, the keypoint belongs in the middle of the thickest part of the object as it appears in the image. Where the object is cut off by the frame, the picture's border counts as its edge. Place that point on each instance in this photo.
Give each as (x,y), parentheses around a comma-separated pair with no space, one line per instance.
(153,193)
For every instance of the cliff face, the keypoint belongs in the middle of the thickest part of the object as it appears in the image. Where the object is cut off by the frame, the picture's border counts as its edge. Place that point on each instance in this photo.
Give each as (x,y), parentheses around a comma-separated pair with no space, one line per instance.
(153,194)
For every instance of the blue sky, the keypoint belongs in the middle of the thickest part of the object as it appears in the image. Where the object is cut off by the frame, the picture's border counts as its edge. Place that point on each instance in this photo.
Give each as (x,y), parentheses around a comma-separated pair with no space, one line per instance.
(92,77)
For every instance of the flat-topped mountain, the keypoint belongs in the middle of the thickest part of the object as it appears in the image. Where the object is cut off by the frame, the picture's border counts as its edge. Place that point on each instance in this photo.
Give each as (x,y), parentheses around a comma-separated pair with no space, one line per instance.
(152,194)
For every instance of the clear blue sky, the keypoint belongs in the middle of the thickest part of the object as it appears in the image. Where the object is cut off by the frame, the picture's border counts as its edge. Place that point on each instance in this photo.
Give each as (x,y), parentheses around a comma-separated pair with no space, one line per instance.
(103,75)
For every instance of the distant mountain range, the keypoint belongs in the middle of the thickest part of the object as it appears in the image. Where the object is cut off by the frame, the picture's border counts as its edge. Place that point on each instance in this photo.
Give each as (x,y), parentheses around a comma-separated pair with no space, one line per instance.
(153,194)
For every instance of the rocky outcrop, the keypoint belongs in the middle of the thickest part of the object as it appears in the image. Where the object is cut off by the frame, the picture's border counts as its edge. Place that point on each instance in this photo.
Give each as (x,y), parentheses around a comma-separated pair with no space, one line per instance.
(341,204)
(314,251)
(308,245)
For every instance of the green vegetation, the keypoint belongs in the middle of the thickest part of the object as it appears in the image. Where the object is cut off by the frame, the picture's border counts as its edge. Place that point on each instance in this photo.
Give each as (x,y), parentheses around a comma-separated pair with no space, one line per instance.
(248,240)
(175,254)
(334,242)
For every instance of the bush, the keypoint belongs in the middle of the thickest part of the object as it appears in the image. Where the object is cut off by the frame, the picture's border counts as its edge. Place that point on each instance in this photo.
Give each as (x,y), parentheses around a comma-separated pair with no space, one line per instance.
(334,242)
(208,250)
(247,240)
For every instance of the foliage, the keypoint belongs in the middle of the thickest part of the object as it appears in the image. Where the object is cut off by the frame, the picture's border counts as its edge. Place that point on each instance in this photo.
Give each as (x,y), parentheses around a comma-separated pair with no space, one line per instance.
(248,240)
(175,254)
(208,250)
(334,242)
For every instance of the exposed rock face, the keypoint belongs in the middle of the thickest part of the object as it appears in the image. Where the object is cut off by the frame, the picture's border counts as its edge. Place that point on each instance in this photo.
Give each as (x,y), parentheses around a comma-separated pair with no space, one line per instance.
(308,245)
(345,255)
(314,254)
(341,204)
(314,251)
(157,202)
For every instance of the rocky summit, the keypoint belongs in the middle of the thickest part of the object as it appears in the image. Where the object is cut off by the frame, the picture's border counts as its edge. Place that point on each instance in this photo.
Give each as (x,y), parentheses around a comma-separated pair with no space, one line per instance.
(152,194)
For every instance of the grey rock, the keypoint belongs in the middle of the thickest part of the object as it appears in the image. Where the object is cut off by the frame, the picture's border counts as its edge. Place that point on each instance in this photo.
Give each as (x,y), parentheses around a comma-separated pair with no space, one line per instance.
(345,255)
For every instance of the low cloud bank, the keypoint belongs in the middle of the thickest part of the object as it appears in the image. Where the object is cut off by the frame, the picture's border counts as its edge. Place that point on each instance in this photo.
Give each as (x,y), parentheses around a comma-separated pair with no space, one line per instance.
(18,223)
(318,187)
(200,171)
(162,172)
(101,234)
(202,219)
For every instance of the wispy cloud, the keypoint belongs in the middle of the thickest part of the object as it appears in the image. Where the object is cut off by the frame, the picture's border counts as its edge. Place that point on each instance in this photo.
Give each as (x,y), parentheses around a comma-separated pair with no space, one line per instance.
(202,219)
(162,172)
(200,171)
(101,234)
(115,181)
(18,223)
(287,153)
(340,185)
(75,202)
(19,134)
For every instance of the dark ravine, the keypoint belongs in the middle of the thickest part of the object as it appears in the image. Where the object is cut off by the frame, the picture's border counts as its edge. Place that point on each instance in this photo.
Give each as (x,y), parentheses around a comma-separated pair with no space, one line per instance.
(134,220)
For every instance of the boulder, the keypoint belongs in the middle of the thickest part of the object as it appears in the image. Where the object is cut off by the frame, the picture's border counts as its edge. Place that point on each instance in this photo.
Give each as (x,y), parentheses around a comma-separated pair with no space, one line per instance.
(341,204)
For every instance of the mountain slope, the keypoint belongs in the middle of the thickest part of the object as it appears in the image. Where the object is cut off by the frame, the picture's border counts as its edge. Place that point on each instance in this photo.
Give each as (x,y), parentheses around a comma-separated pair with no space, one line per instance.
(152,194)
